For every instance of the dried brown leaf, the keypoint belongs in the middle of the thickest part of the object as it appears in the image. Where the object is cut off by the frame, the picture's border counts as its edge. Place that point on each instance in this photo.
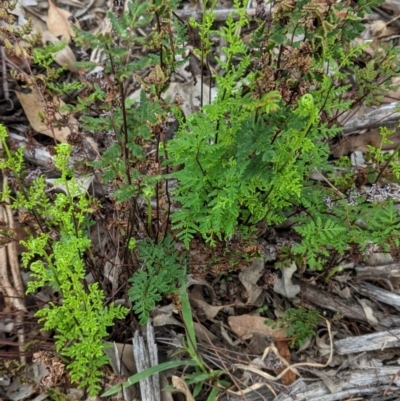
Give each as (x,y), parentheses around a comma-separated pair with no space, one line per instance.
(379,29)
(203,334)
(289,377)
(59,22)
(249,277)
(245,325)
(210,311)
(64,57)
(182,387)
(361,142)
(32,103)
(125,354)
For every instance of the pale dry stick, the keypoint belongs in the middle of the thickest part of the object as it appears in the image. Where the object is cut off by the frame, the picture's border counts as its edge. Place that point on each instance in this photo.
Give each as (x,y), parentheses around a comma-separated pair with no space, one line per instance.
(7,287)
(292,367)
(4,71)
(254,389)
(391,382)
(18,285)
(11,293)
(330,184)
(392,20)
(9,257)
(13,256)
(354,399)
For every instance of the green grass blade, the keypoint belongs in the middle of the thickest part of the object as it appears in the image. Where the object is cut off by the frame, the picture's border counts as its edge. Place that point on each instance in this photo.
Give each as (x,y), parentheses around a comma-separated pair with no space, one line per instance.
(188,320)
(197,389)
(202,377)
(213,394)
(146,373)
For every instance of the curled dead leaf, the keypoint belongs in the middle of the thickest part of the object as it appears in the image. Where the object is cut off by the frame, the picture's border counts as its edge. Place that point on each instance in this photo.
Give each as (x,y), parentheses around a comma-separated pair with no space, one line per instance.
(289,377)
(64,57)
(59,22)
(249,277)
(210,311)
(377,28)
(182,387)
(284,286)
(245,325)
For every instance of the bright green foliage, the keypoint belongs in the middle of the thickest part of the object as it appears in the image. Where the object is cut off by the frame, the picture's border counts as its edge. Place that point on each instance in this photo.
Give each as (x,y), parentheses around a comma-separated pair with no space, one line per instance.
(230,180)
(162,272)
(332,225)
(298,323)
(244,158)
(80,318)
(316,235)
(247,156)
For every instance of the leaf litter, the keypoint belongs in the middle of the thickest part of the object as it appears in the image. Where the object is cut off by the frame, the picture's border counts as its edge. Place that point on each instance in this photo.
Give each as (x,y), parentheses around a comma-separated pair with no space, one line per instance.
(362,358)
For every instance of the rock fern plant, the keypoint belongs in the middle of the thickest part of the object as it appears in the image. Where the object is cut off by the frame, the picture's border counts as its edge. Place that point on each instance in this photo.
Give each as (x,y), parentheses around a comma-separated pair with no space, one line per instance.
(55,258)
(162,272)
(245,158)
(248,156)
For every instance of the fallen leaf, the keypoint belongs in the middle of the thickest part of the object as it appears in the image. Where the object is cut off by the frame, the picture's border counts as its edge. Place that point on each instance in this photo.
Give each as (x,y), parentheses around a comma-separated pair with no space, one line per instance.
(163,315)
(284,285)
(372,137)
(182,387)
(392,95)
(222,334)
(166,395)
(185,95)
(21,389)
(32,103)
(59,22)
(249,278)
(203,334)
(289,377)
(196,292)
(379,258)
(201,282)
(369,312)
(197,300)
(323,343)
(379,29)
(64,57)
(121,352)
(247,324)
(82,184)
(210,311)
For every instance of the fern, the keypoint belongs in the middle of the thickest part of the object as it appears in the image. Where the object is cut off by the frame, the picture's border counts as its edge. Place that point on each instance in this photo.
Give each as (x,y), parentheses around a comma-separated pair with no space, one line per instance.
(317,236)
(162,272)
(80,319)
